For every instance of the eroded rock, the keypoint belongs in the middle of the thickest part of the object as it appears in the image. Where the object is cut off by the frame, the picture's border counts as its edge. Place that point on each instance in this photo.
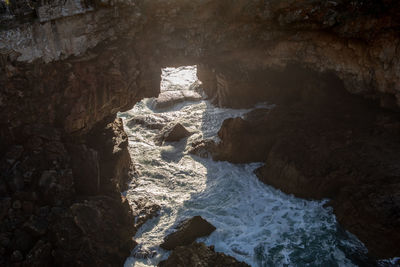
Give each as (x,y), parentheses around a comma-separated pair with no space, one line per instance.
(143,210)
(187,232)
(203,148)
(172,133)
(198,254)
(326,144)
(46,222)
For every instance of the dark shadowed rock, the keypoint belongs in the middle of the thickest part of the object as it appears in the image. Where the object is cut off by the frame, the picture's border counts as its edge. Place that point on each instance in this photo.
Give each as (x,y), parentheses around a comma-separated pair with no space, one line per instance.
(143,210)
(144,253)
(172,133)
(187,232)
(87,176)
(47,224)
(36,226)
(40,255)
(22,241)
(242,139)
(321,142)
(98,230)
(203,148)
(17,256)
(115,163)
(198,254)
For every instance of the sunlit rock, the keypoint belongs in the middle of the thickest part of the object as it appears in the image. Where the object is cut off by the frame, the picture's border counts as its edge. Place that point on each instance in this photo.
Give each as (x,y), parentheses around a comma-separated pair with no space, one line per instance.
(172,133)
(167,99)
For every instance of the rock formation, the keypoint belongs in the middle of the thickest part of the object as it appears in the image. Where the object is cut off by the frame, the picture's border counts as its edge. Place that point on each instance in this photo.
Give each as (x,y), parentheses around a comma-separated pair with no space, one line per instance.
(67,68)
(198,254)
(172,133)
(187,232)
(60,200)
(325,143)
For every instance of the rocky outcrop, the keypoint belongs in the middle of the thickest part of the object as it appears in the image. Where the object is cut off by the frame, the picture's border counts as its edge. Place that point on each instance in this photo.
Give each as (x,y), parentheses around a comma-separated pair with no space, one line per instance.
(172,133)
(246,142)
(203,148)
(198,254)
(187,232)
(143,210)
(80,97)
(111,143)
(240,46)
(56,210)
(323,143)
(323,36)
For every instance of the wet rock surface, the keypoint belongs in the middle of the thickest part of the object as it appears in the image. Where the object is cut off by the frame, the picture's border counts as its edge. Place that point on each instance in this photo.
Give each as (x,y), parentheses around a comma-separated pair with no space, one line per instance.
(198,254)
(143,210)
(47,218)
(172,132)
(187,232)
(203,148)
(327,144)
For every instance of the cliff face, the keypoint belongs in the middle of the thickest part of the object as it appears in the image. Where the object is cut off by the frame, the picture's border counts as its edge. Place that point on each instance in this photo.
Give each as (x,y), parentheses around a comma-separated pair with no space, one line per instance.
(241,47)
(320,142)
(70,66)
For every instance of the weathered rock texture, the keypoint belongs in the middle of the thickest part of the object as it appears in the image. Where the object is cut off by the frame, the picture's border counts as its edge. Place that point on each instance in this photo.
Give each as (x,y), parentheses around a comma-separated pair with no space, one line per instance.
(172,132)
(72,65)
(321,142)
(60,200)
(187,232)
(198,254)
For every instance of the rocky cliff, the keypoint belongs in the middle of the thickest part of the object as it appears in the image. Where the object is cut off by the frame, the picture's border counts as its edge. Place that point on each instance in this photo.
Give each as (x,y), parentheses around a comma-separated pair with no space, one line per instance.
(67,68)
(243,49)
(320,142)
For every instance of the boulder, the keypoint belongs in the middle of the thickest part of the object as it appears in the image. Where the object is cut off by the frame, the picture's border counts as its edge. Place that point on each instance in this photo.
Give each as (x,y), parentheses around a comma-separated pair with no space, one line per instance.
(187,232)
(167,99)
(203,148)
(198,254)
(143,209)
(172,133)
(243,139)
